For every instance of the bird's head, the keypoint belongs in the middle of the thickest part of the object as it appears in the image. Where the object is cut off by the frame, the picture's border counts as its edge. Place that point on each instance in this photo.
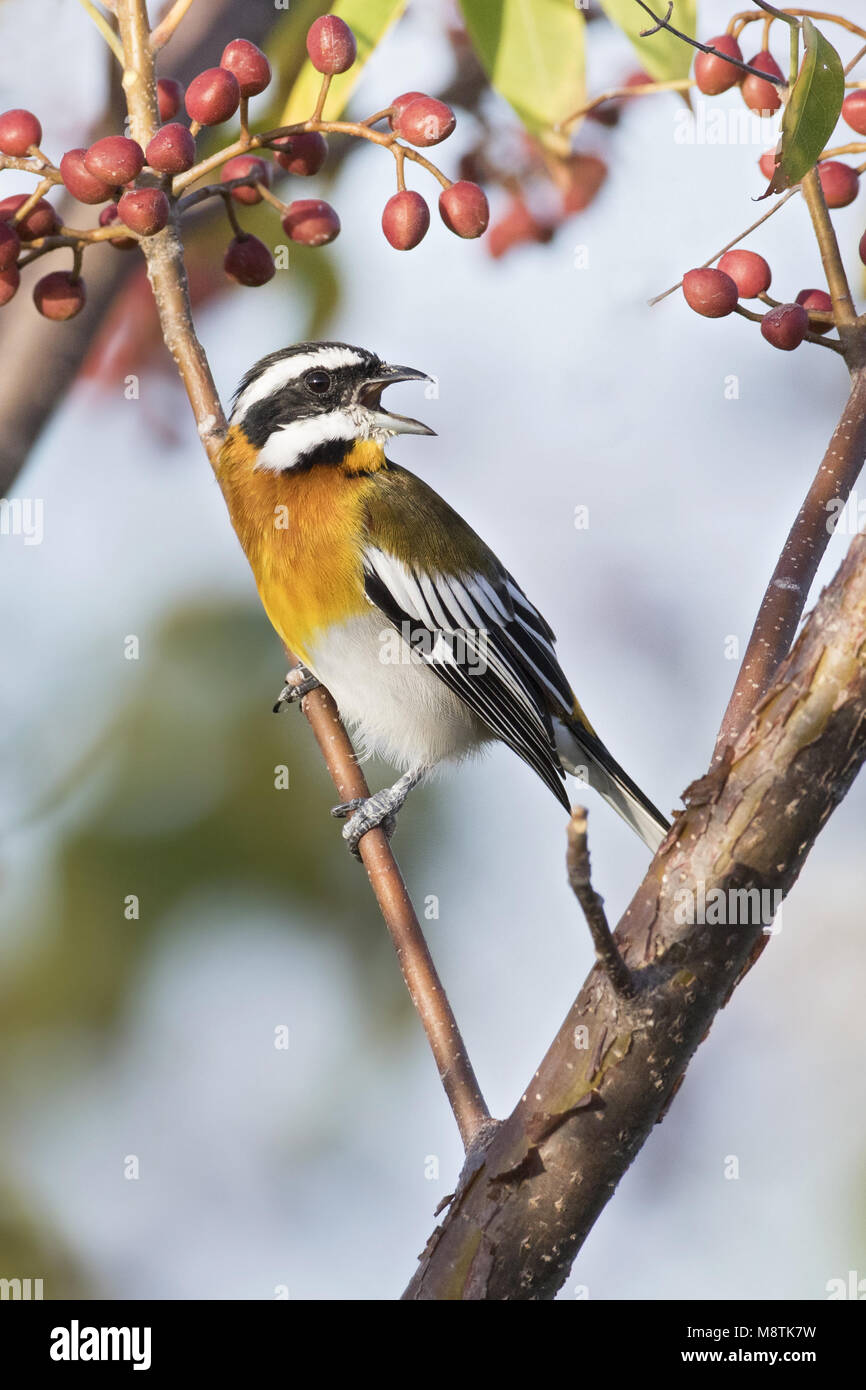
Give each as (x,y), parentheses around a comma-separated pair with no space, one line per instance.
(313,403)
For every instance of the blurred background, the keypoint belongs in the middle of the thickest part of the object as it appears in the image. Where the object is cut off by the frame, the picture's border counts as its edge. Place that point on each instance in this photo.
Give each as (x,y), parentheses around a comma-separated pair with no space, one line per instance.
(166,910)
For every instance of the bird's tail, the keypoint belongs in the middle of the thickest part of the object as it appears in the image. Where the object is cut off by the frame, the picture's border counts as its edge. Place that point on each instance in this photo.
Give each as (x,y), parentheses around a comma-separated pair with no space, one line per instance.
(584,755)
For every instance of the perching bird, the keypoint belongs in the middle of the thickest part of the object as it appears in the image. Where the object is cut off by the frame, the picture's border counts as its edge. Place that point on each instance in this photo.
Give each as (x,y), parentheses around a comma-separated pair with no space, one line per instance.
(387,596)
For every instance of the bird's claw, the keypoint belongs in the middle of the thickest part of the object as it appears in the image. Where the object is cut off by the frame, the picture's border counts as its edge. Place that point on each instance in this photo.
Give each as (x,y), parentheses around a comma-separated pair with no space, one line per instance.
(299,682)
(365,813)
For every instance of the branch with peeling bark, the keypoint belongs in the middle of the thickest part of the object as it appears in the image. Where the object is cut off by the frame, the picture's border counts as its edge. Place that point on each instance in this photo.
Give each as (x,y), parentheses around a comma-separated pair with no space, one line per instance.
(513,1230)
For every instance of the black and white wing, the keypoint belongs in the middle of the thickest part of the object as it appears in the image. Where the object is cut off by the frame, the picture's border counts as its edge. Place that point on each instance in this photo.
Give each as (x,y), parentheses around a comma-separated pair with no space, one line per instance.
(488,644)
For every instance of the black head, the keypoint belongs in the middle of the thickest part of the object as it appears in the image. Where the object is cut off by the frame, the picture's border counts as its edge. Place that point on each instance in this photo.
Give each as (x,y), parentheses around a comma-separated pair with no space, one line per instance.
(310,403)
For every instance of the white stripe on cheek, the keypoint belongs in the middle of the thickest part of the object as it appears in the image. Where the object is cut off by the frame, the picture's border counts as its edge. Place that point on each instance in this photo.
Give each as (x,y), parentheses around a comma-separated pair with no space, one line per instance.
(276,377)
(288,443)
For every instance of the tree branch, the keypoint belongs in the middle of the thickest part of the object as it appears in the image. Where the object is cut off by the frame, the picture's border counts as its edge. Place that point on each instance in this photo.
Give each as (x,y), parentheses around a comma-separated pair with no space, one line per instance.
(788,590)
(512,1231)
(165,267)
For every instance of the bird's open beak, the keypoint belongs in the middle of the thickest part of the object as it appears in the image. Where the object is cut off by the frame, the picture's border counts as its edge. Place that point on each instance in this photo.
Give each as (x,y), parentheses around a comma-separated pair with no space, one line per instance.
(370,395)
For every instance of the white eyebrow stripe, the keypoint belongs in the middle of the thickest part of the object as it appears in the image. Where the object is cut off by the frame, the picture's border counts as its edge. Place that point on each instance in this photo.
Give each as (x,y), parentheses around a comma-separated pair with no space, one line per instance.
(286,445)
(277,376)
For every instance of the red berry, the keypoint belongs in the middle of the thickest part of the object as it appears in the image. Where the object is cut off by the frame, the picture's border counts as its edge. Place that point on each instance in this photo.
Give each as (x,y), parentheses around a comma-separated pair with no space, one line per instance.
(840,183)
(862,248)
(144,210)
(311,222)
(169,95)
(249,65)
(399,104)
(249,261)
(115,159)
(713,75)
(710,292)
(301,154)
(172,149)
(405,219)
(519,225)
(10,279)
(80,182)
(110,215)
(19,130)
(749,272)
(854,110)
(331,44)
(425,121)
(758,94)
(213,96)
(464,209)
(786,326)
(767,163)
(59,296)
(10,246)
(820,302)
(237,168)
(586,174)
(40,221)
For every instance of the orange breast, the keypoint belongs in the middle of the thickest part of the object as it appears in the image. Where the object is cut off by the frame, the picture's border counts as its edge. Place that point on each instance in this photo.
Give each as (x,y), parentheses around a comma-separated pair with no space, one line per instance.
(302,534)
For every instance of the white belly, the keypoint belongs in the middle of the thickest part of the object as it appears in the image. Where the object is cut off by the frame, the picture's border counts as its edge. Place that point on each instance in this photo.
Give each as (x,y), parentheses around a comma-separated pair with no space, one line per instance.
(390,699)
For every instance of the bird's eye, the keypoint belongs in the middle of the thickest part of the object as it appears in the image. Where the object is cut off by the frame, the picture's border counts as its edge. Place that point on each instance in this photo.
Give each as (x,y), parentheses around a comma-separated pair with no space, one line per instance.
(320,382)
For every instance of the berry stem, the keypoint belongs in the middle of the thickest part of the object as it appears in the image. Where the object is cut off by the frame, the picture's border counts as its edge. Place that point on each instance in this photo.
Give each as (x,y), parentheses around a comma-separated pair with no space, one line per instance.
(641,89)
(830,343)
(27,166)
(38,192)
(323,96)
(400,160)
(749,17)
(379,116)
(244,119)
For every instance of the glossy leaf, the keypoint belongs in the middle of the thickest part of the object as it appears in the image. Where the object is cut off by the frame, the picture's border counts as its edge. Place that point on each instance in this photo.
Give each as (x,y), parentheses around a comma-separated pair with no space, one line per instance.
(813,109)
(665,57)
(369,21)
(533,51)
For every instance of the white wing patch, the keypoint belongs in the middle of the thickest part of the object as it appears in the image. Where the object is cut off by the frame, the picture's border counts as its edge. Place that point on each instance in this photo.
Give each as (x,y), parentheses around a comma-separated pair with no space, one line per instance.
(491,647)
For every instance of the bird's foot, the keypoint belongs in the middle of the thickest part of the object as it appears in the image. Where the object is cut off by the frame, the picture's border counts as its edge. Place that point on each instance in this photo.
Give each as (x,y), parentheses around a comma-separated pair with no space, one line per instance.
(299,682)
(368,813)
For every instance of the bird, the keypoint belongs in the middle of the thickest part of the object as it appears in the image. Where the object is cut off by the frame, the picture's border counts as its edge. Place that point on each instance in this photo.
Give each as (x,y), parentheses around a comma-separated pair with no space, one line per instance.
(388,598)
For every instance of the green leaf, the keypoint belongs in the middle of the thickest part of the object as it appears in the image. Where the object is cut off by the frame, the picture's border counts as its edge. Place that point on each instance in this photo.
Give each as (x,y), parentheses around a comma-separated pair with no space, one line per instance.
(812,111)
(665,57)
(533,53)
(369,21)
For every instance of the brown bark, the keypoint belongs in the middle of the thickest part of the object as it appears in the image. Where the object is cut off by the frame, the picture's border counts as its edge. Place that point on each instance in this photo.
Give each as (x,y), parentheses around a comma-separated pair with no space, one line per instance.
(513,1230)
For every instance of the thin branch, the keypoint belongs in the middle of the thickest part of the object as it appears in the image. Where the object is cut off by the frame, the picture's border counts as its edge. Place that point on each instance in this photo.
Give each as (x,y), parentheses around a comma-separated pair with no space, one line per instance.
(580,882)
(785,598)
(104,28)
(735,241)
(640,89)
(837,280)
(166,27)
(661,23)
(165,265)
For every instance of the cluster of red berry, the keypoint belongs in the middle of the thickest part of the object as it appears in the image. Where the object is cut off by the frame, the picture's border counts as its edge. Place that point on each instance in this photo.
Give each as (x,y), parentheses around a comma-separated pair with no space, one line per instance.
(140,187)
(740,274)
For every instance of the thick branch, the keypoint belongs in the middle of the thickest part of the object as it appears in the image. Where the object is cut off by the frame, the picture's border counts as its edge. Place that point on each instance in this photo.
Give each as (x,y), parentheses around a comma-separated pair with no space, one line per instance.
(514,1228)
(788,589)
